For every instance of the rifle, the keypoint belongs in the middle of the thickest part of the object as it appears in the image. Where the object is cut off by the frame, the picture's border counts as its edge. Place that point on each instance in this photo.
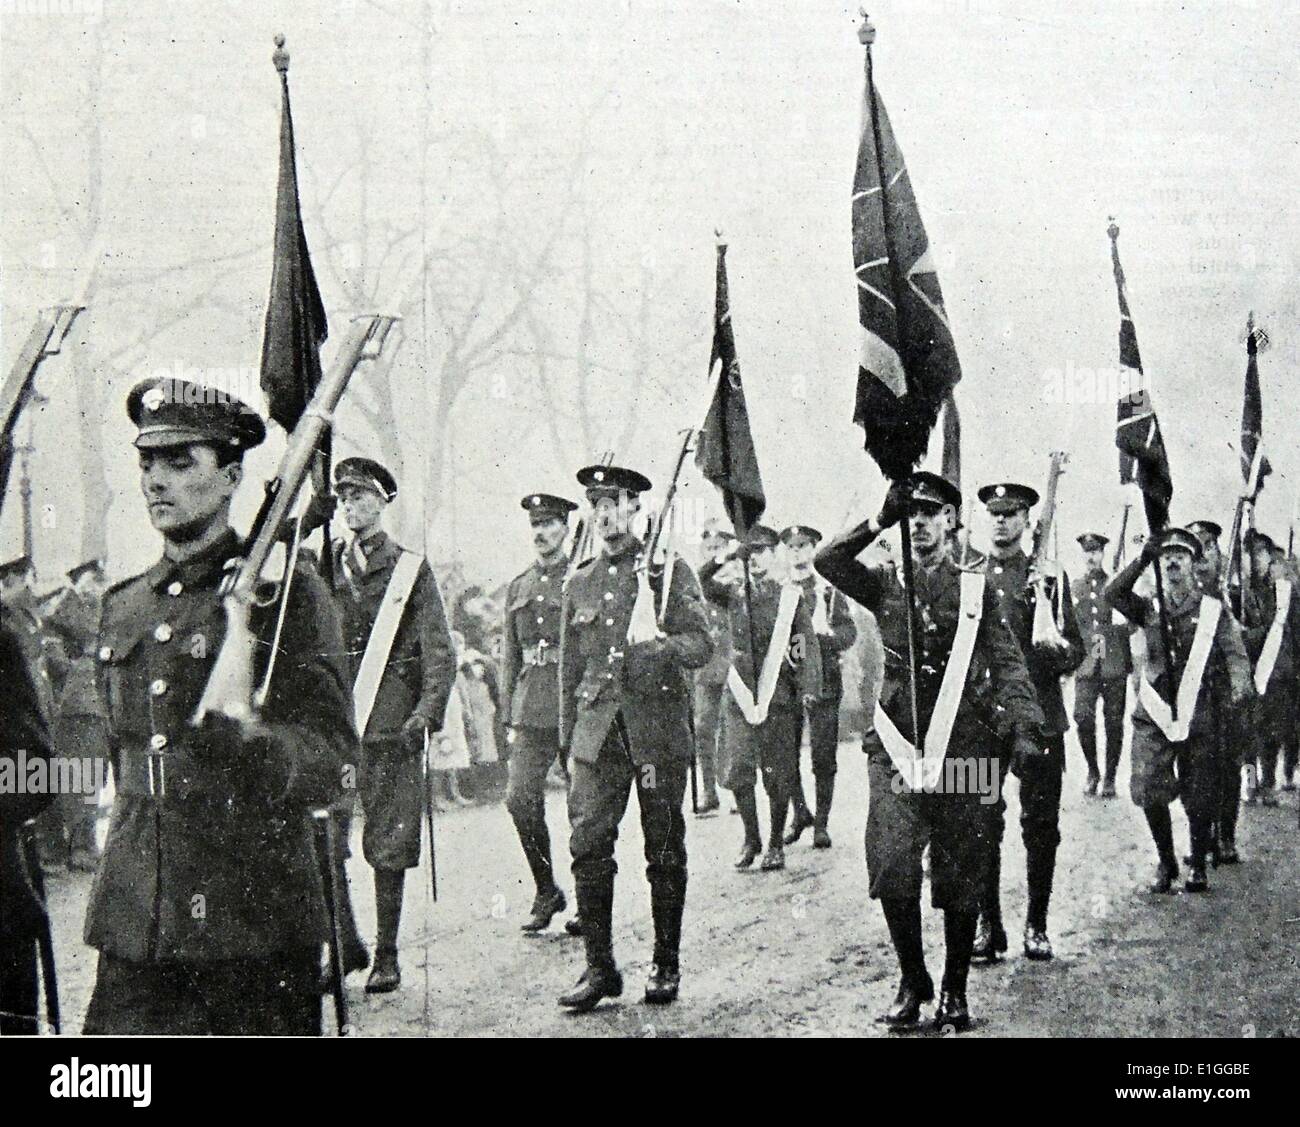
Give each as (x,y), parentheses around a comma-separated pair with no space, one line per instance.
(45,338)
(1118,558)
(645,622)
(580,549)
(1046,631)
(229,690)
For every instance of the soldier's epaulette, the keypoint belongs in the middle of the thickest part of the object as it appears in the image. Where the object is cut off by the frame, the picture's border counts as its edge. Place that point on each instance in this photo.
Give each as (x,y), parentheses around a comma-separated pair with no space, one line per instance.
(972,565)
(121,585)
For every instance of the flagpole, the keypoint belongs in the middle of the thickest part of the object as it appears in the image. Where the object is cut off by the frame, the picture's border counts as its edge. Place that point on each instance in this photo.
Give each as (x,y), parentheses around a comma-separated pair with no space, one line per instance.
(867,36)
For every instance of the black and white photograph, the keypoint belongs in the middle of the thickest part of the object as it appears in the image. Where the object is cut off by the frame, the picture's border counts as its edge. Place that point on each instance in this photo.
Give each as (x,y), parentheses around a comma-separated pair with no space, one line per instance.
(651,519)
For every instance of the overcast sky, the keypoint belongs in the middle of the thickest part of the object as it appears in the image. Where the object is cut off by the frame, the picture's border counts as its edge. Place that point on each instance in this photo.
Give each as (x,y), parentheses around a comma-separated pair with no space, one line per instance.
(1024,125)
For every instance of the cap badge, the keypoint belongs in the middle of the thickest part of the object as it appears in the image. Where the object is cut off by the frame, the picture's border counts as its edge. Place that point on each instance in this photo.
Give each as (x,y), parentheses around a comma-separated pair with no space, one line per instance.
(153,398)
(1000,491)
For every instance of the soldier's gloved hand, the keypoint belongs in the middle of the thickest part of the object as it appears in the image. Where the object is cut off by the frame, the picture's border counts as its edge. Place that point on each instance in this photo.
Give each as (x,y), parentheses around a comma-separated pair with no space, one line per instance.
(414,728)
(1151,548)
(219,738)
(894,507)
(319,512)
(1027,753)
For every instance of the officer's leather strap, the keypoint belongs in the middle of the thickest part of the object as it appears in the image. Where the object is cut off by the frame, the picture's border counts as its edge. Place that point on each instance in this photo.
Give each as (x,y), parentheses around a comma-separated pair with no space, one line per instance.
(1273,639)
(1189,687)
(754,706)
(380,643)
(921,771)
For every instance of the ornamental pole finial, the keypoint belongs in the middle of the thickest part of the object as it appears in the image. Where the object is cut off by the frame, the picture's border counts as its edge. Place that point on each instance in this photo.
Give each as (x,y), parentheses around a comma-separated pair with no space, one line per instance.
(280,57)
(867,32)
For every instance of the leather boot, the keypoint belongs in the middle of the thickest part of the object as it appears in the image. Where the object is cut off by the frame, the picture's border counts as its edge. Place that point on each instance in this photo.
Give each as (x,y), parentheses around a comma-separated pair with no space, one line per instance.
(1040,865)
(747,808)
(990,935)
(903,918)
(667,905)
(803,819)
(545,905)
(355,957)
(601,978)
(777,801)
(824,791)
(1088,745)
(959,938)
(389,886)
(1162,833)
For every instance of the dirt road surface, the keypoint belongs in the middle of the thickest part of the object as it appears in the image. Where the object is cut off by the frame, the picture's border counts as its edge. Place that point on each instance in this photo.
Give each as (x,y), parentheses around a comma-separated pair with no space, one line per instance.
(804,952)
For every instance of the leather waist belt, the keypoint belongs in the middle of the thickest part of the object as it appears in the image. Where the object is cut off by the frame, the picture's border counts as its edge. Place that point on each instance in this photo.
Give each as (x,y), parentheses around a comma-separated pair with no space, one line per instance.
(544,653)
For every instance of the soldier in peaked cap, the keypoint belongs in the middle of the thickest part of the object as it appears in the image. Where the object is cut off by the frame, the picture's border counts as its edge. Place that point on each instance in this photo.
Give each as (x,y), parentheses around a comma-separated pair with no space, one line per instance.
(1103,676)
(1174,753)
(1237,736)
(80,723)
(711,679)
(208,909)
(966,648)
(529,688)
(402,667)
(770,639)
(1271,644)
(834,629)
(1008,571)
(625,720)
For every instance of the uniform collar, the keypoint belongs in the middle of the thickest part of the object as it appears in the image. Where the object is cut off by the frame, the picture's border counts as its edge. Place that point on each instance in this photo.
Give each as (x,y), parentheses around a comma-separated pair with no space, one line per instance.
(550,569)
(631,546)
(207,565)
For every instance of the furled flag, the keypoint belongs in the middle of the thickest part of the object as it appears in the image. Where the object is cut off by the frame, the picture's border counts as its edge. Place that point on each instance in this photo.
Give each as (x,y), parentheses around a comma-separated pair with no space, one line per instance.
(1142,456)
(908,363)
(725,452)
(951,464)
(1252,415)
(295,315)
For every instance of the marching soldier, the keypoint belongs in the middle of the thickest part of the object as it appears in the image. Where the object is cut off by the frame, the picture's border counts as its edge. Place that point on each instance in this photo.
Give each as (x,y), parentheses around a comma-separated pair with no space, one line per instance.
(23,916)
(81,729)
(973,698)
(835,631)
(711,680)
(1008,569)
(402,666)
(625,721)
(1182,698)
(1103,675)
(1271,647)
(1236,736)
(530,666)
(775,668)
(20,612)
(208,909)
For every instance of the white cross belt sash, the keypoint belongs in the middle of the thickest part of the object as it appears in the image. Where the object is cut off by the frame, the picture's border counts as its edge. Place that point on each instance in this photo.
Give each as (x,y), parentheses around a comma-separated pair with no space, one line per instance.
(1189,686)
(921,771)
(380,643)
(1273,639)
(754,706)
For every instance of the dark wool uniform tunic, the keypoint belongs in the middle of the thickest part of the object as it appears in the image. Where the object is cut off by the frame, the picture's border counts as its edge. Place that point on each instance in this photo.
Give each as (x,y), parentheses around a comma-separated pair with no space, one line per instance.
(625,720)
(24,730)
(1278,710)
(530,688)
(208,908)
(772,745)
(1163,770)
(1103,673)
(417,681)
(823,714)
(997,702)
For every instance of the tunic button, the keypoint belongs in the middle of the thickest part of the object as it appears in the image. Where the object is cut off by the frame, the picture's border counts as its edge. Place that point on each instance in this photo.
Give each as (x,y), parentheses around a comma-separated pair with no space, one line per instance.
(157,741)
(609,622)
(613,570)
(608,595)
(540,620)
(158,687)
(546,578)
(175,588)
(541,598)
(997,569)
(163,632)
(105,653)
